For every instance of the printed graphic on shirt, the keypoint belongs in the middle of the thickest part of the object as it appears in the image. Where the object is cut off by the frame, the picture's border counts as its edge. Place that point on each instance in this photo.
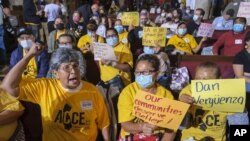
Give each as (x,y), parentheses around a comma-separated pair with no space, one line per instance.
(204,120)
(71,119)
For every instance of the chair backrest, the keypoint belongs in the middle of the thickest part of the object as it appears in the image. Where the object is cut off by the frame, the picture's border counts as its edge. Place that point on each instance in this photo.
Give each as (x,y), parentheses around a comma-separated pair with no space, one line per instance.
(224,62)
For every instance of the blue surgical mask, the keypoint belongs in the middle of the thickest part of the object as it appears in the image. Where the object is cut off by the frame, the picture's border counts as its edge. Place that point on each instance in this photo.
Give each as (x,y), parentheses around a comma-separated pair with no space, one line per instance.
(182,31)
(238,28)
(144,81)
(119,28)
(112,41)
(148,50)
(195,17)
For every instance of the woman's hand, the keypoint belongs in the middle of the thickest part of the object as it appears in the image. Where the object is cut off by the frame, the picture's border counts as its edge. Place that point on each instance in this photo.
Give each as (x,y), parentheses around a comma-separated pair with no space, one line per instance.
(186,98)
(148,129)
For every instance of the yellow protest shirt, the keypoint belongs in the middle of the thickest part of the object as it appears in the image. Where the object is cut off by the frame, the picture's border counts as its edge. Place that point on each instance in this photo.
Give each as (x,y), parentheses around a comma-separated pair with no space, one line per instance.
(31,69)
(9,103)
(123,38)
(185,43)
(67,115)
(126,103)
(86,39)
(124,56)
(59,33)
(206,123)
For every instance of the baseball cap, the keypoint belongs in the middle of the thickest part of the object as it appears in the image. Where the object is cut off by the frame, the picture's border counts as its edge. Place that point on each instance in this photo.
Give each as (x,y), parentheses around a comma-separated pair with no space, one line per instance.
(24,30)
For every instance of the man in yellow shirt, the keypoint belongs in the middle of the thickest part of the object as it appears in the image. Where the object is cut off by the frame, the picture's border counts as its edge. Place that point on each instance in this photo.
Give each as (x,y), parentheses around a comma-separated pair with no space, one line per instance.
(208,124)
(10,110)
(122,67)
(72,110)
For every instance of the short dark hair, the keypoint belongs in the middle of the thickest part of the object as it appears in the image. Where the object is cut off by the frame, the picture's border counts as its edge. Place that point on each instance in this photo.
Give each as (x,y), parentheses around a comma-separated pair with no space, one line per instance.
(201,10)
(113,30)
(67,35)
(152,59)
(210,65)
(230,12)
(243,19)
(181,23)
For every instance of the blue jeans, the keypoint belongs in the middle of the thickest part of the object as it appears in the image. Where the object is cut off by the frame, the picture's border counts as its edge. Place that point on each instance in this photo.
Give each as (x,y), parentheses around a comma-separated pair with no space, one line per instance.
(2,46)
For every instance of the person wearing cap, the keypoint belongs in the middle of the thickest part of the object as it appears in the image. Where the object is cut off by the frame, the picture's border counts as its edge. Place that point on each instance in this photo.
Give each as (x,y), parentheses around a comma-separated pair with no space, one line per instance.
(224,22)
(38,65)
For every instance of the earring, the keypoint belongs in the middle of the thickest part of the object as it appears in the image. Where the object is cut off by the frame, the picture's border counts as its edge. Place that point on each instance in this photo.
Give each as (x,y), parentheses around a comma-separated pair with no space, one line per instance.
(246,46)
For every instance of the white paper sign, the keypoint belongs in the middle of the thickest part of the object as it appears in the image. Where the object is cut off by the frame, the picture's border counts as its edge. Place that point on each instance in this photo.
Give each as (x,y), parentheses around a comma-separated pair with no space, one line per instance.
(205,30)
(103,51)
(244,10)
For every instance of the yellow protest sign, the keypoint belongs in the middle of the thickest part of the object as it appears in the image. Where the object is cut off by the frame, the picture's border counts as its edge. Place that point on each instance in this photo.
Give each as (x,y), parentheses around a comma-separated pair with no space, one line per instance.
(223,95)
(154,36)
(129,18)
(158,110)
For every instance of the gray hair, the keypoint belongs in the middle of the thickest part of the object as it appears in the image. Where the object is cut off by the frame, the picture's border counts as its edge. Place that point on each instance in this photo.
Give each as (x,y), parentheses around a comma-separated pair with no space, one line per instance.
(65,55)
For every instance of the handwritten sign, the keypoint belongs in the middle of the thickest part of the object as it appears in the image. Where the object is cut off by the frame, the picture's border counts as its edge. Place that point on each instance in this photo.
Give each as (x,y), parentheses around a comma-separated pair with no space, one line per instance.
(244,10)
(103,51)
(154,35)
(129,18)
(205,30)
(223,95)
(159,111)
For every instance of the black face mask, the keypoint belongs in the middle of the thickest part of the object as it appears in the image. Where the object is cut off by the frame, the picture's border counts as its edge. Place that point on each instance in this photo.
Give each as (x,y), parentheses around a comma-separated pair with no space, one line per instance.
(169,19)
(60,26)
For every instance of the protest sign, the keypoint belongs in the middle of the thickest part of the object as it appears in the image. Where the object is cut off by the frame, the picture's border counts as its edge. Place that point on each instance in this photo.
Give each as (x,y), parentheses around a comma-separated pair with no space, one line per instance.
(103,51)
(129,18)
(205,30)
(153,36)
(223,95)
(244,10)
(159,111)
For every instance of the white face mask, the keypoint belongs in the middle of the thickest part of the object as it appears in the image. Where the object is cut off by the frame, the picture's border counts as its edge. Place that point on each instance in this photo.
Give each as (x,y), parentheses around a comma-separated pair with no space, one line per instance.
(26,44)
(65,46)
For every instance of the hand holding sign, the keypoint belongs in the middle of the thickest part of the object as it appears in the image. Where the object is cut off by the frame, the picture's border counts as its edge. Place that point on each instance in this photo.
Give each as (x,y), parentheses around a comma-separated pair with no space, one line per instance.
(103,51)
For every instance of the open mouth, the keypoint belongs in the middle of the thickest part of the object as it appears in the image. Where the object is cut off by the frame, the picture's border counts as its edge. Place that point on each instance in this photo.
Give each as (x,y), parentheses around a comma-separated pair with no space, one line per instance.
(73,80)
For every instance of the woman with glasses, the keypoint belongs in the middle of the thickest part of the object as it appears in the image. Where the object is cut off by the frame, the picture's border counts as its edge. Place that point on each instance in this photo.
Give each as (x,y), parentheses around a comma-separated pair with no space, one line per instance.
(146,71)
(71,109)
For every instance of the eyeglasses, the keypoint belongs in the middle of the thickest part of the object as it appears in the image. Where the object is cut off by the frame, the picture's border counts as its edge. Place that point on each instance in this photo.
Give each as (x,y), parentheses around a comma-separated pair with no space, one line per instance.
(68,68)
(144,72)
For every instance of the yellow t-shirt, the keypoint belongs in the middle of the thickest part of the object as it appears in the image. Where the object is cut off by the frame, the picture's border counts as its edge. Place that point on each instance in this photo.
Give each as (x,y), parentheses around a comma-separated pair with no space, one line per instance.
(185,44)
(205,122)
(123,55)
(31,69)
(59,33)
(123,38)
(86,39)
(69,116)
(126,103)
(10,103)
